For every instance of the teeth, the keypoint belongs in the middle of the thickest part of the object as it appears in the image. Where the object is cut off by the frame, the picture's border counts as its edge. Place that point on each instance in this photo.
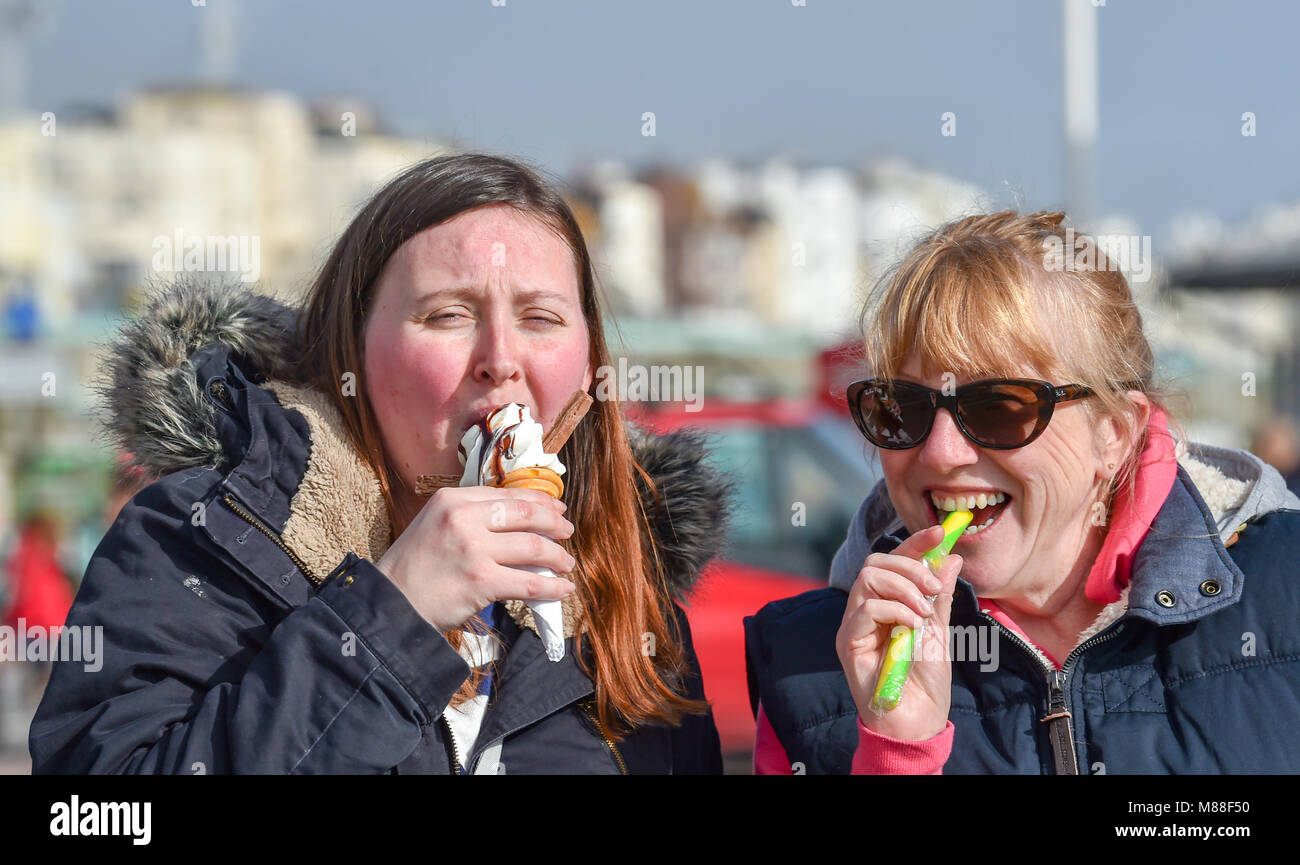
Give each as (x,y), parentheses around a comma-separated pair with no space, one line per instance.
(974,530)
(966,503)
(948,504)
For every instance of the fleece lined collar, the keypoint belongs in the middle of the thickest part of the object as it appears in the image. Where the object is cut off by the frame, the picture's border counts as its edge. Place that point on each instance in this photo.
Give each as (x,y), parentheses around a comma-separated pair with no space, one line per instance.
(202,379)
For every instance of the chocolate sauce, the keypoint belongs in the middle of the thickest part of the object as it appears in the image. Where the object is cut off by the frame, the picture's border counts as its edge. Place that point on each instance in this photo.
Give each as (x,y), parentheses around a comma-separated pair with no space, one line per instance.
(495,447)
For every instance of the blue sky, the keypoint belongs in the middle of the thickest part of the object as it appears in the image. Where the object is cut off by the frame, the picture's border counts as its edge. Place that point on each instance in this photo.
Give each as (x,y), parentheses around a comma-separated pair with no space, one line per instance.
(834,81)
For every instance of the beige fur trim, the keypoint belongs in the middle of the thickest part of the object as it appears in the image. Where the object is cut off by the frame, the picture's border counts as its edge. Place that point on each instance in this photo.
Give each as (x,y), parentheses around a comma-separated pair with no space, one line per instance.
(339,507)
(1110,613)
(1221,493)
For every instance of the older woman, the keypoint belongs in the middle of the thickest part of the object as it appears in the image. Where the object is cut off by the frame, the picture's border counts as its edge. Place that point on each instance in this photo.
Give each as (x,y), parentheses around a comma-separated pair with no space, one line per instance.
(1122,602)
(283,599)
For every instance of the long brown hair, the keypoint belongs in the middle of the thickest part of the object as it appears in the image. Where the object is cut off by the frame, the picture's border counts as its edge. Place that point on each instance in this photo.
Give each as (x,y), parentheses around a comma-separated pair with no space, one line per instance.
(622,588)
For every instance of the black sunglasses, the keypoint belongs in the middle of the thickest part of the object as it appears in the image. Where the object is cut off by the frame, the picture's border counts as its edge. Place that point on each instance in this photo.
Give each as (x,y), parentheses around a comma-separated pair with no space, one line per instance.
(1000,413)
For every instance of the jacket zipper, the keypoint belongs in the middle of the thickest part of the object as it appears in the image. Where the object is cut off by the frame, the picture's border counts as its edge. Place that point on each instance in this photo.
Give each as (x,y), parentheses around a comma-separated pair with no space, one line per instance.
(589,706)
(455,752)
(260,526)
(1059,730)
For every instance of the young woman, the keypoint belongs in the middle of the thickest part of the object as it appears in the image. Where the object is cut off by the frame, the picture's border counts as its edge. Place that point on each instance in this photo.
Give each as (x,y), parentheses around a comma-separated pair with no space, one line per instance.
(282,600)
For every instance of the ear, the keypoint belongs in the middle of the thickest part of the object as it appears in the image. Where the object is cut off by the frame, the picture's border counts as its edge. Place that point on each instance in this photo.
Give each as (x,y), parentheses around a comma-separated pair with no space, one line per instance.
(587,378)
(1114,442)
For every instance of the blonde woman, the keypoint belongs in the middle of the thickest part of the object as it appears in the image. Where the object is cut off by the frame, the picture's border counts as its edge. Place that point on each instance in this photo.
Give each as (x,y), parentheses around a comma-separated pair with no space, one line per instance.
(1124,601)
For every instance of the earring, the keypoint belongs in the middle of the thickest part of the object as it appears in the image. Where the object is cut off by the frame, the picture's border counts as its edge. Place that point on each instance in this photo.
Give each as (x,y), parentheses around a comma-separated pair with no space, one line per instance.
(1110,465)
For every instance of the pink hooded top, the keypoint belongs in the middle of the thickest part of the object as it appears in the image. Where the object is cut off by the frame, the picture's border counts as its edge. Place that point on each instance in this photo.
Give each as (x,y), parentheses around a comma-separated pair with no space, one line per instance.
(883,755)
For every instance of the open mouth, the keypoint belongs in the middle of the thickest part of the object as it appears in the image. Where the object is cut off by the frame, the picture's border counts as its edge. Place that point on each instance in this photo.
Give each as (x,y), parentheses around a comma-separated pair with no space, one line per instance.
(985,507)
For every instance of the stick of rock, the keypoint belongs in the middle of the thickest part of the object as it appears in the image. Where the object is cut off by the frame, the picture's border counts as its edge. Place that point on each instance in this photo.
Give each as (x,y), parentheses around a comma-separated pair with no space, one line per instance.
(567,421)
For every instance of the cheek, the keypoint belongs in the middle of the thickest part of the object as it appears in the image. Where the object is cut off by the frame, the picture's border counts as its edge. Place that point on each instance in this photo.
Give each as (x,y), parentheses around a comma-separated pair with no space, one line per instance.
(409,383)
(1060,476)
(556,372)
(895,465)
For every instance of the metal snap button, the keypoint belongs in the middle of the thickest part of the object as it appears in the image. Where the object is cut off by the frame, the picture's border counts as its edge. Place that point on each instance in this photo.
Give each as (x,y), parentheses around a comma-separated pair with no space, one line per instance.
(347,581)
(1165,598)
(1210,588)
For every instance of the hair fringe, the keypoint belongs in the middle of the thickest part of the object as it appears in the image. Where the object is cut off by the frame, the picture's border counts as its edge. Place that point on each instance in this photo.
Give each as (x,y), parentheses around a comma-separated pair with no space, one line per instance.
(982,290)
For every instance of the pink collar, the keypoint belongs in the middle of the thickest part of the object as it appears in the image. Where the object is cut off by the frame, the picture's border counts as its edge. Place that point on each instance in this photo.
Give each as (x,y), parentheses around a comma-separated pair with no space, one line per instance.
(1131,518)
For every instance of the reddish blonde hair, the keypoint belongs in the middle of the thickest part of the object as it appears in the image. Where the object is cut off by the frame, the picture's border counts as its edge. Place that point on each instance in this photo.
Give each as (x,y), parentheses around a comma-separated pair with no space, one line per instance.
(621,585)
(990,296)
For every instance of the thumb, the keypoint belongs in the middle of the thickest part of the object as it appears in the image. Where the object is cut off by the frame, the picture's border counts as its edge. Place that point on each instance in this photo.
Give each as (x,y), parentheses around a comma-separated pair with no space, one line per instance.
(948,574)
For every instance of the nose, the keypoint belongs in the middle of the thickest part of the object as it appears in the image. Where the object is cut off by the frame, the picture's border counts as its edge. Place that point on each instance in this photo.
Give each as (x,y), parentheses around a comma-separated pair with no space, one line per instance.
(497,357)
(945,448)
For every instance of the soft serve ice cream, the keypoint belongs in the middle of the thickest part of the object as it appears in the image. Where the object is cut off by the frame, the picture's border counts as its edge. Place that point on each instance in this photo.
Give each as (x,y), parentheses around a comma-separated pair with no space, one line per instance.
(506,450)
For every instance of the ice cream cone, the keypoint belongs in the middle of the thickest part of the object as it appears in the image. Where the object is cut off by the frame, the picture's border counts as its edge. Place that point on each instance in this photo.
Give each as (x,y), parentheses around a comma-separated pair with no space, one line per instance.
(534,478)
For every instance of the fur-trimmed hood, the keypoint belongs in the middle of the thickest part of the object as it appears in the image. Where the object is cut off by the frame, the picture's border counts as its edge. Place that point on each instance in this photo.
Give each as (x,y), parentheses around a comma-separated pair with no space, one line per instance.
(156,409)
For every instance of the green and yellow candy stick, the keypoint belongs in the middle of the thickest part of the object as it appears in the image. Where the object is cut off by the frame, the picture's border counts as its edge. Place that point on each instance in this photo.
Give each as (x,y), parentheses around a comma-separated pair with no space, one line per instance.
(898,657)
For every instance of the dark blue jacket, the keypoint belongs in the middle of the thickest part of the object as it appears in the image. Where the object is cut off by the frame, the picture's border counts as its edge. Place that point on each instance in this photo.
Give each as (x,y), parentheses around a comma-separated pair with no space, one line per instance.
(1201,674)
(233,645)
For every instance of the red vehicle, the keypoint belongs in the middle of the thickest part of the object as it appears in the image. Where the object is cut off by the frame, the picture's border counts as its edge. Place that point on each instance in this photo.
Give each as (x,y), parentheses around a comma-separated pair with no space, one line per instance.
(800,470)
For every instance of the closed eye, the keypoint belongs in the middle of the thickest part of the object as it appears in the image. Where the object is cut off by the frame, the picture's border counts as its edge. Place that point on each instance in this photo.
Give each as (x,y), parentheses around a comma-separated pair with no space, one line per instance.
(443,316)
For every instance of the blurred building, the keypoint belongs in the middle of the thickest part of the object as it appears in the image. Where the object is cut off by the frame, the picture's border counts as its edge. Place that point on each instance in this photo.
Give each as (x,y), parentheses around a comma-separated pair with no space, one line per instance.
(117,196)
(96,201)
(1234,312)
(626,236)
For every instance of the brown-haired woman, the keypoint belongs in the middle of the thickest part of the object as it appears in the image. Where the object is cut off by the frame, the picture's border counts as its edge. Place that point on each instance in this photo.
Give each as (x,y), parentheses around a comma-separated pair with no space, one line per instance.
(1123,601)
(284,601)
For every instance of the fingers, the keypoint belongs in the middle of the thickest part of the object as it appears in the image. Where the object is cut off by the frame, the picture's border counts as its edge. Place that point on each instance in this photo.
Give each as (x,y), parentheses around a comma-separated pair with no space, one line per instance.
(489,494)
(890,585)
(910,569)
(524,515)
(514,584)
(919,543)
(870,615)
(479,509)
(526,548)
(948,577)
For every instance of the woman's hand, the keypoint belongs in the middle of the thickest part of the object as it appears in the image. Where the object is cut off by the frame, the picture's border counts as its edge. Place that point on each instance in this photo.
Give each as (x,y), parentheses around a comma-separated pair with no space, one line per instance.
(890,590)
(454,558)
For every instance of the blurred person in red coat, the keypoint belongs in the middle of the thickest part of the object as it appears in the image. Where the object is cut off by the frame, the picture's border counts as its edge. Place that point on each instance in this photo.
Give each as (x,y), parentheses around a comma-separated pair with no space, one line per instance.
(39,593)
(34,594)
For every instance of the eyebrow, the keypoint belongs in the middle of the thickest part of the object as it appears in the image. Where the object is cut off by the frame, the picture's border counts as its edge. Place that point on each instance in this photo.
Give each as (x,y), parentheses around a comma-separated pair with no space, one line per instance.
(535,294)
(467,293)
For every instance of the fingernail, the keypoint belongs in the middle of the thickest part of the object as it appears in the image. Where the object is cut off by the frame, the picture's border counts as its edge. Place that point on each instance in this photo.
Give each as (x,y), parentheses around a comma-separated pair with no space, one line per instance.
(929,608)
(563,506)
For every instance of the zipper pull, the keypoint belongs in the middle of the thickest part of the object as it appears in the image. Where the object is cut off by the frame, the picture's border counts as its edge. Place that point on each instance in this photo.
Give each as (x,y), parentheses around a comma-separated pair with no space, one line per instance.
(1059,732)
